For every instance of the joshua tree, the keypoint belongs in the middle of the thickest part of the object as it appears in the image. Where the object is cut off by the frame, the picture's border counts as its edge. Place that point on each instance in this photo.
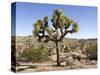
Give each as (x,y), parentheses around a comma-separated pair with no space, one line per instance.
(82,45)
(61,26)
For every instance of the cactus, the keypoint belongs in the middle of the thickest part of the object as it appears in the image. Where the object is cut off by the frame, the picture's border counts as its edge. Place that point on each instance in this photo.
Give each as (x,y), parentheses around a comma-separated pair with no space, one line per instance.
(57,32)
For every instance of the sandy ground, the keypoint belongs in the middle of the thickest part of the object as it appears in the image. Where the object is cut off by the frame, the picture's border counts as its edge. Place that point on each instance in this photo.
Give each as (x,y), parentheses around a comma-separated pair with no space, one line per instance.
(51,66)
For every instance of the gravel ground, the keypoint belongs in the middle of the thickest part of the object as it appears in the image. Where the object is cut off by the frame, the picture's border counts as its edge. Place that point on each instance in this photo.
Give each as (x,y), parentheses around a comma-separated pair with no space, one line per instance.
(51,66)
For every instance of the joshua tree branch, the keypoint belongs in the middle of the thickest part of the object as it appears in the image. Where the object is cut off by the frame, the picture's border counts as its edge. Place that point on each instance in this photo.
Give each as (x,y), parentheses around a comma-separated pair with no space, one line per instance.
(48,38)
(68,31)
(61,30)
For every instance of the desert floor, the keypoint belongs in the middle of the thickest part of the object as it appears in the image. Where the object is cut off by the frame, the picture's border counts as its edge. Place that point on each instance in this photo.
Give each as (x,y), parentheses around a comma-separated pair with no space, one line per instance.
(51,66)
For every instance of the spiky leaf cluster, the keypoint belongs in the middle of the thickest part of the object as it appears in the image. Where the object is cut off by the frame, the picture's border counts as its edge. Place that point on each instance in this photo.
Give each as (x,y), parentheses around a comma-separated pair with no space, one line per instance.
(61,25)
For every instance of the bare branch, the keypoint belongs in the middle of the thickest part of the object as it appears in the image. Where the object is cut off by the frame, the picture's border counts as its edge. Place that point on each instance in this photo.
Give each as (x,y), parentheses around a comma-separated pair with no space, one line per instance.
(68,31)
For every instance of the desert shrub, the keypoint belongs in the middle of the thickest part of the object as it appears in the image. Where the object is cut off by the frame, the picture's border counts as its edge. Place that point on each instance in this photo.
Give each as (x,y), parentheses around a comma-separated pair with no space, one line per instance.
(91,51)
(50,51)
(66,50)
(70,48)
(39,54)
(82,45)
(73,47)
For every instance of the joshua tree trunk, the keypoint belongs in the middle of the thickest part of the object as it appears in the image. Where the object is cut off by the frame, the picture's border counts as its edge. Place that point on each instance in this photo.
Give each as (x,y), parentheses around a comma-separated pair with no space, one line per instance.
(58,57)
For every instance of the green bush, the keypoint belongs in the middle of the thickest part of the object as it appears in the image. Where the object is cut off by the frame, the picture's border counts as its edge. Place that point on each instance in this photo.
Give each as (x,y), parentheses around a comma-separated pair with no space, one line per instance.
(39,54)
(66,50)
(91,51)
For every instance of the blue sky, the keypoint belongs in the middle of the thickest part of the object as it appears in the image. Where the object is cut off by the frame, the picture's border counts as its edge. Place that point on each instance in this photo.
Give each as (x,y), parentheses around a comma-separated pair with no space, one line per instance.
(28,13)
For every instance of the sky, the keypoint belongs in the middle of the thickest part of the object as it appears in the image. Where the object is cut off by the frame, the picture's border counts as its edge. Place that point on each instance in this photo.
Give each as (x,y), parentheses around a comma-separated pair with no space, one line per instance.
(28,13)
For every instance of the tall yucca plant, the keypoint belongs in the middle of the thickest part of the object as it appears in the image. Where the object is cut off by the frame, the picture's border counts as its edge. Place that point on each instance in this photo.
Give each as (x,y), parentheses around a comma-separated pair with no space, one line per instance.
(60,28)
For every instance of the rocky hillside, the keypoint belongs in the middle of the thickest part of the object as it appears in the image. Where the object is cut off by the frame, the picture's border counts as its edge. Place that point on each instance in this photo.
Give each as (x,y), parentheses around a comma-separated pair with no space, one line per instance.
(23,42)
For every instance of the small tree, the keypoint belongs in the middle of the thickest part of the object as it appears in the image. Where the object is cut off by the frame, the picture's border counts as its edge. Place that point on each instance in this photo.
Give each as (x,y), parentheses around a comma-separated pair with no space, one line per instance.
(82,45)
(61,26)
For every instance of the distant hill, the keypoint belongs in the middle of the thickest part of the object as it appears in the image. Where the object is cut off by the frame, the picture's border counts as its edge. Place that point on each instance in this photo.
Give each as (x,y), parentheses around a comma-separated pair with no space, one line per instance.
(22,41)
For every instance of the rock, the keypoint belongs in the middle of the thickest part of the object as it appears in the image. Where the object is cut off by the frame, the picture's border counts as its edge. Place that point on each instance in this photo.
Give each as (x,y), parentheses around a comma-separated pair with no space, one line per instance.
(93,62)
(69,60)
(53,58)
